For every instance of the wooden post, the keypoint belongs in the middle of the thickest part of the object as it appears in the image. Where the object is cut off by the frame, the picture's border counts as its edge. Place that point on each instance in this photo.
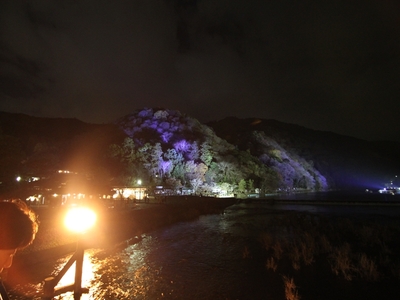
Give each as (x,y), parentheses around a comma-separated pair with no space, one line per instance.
(78,270)
(48,288)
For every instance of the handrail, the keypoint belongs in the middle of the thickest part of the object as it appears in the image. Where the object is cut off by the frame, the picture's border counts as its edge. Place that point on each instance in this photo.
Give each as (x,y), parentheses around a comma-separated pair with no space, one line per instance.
(49,290)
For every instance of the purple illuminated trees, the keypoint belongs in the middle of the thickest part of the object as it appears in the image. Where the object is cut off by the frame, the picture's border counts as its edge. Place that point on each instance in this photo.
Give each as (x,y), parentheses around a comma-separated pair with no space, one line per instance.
(194,152)
(182,146)
(165,168)
(177,150)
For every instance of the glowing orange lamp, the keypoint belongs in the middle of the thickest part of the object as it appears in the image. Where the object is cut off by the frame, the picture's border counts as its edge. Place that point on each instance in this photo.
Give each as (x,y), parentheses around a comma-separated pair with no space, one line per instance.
(78,220)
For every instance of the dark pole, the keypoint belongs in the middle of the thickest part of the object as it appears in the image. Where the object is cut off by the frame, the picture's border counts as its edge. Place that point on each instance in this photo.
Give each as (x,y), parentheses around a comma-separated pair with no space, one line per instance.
(78,270)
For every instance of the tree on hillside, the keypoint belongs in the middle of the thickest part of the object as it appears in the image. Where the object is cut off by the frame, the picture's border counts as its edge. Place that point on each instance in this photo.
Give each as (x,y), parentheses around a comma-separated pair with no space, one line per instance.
(153,160)
(174,184)
(165,168)
(194,152)
(250,185)
(178,172)
(242,188)
(196,183)
(206,154)
(176,159)
(127,162)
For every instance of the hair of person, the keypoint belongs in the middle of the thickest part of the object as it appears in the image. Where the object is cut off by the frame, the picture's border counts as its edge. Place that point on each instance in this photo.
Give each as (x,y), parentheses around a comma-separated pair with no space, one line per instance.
(18,224)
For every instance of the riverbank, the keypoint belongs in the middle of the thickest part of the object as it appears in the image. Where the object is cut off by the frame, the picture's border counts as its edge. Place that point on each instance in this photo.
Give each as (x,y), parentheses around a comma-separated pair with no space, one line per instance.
(114,226)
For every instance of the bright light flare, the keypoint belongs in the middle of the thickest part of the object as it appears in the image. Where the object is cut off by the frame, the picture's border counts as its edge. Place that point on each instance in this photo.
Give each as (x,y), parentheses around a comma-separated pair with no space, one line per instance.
(80,219)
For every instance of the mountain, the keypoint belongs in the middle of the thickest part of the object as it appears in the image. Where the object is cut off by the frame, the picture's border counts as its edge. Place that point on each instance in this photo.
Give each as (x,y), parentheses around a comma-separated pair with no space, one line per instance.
(344,161)
(170,145)
(167,147)
(33,146)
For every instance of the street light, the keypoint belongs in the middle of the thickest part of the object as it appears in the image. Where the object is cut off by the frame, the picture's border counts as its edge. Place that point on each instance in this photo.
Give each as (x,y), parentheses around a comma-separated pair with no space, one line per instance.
(78,220)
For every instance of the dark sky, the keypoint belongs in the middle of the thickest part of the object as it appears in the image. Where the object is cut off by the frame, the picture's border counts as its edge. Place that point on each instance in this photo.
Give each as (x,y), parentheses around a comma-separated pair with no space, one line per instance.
(326,65)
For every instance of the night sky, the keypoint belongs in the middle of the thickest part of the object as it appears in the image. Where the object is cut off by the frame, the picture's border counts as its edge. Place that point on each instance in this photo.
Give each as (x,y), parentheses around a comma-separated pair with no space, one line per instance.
(326,65)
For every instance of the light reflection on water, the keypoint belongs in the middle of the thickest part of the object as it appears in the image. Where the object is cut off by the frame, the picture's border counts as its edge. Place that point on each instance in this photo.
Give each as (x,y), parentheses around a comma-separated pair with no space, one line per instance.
(88,271)
(192,260)
(122,274)
(203,259)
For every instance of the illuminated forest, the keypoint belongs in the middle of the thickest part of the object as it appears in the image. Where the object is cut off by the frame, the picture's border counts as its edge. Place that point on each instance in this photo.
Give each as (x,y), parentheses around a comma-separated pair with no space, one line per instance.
(166,147)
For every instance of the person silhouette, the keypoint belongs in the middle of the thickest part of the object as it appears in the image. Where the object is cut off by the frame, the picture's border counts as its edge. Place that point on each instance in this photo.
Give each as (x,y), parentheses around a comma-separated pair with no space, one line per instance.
(18,228)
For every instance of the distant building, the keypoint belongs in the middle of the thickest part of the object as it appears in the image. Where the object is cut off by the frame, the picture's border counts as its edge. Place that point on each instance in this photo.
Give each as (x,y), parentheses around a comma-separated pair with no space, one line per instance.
(65,188)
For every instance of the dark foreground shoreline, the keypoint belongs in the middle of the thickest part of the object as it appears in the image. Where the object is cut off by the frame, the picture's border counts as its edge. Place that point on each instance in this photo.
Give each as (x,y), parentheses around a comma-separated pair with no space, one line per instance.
(114,227)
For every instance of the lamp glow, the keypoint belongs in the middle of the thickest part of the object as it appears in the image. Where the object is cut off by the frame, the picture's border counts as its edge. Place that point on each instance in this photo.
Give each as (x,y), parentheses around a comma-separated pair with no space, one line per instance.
(80,219)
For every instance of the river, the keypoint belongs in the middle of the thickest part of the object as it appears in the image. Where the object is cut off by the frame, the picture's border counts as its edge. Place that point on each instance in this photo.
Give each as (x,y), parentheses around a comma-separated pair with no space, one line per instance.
(214,257)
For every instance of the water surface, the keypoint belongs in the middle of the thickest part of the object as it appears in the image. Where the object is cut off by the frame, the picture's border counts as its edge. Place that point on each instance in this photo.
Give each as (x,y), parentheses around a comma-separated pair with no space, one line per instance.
(214,257)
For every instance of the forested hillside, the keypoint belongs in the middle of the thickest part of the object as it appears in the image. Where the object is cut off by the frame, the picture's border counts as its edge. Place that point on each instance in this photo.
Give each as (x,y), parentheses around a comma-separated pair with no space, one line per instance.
(38,147)
(345,162)
(165,147)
